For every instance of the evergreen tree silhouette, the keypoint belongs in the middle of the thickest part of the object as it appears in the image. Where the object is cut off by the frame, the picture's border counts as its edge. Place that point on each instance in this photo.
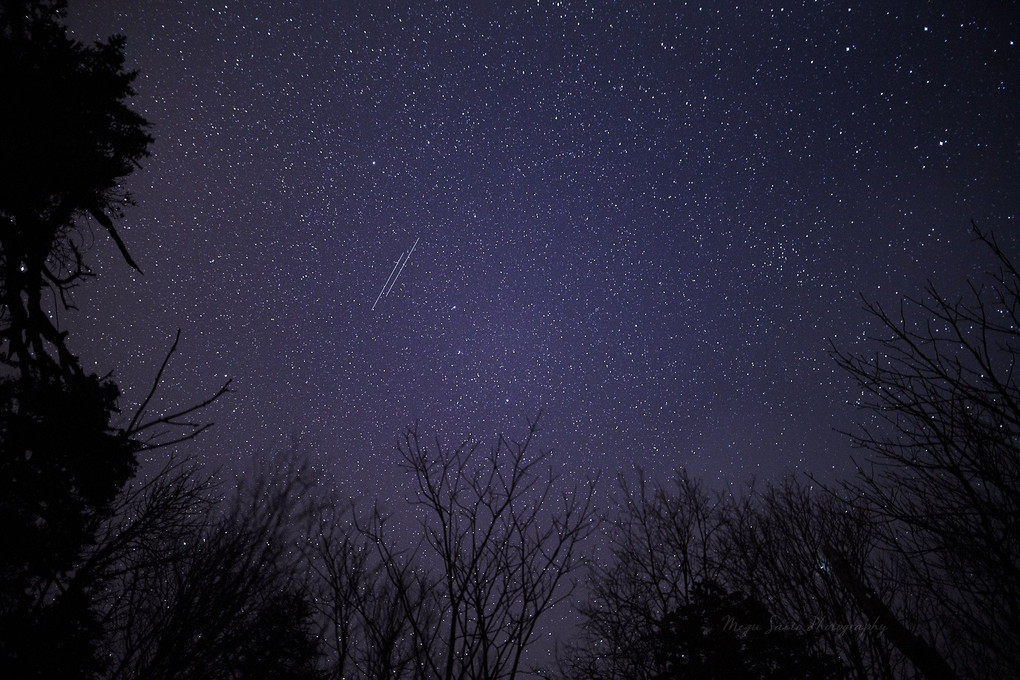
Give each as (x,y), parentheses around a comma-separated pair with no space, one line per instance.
(67,140)
(726,635)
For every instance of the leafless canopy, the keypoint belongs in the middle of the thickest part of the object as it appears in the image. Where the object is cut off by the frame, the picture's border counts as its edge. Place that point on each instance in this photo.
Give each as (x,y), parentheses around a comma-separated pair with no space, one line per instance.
(498,542)
(942,478)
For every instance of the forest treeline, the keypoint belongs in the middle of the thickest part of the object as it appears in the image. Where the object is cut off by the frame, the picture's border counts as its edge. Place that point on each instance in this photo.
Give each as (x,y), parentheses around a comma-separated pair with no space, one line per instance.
(908,569)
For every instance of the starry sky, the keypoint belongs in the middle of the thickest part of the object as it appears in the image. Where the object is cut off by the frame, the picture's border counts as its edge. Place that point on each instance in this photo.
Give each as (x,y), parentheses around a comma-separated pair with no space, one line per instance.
(647,219)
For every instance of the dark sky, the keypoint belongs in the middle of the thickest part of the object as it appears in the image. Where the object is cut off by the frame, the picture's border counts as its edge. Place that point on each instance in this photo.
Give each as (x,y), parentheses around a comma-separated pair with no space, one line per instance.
(646,218)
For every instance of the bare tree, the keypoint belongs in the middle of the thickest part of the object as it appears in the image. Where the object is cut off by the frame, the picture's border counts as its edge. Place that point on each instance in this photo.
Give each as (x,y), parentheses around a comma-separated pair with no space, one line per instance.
(366,605)
(155,525)
(777,539)
(200,587)
(149,432)
(663,540)
(942,479)
(340,559)
(500,539)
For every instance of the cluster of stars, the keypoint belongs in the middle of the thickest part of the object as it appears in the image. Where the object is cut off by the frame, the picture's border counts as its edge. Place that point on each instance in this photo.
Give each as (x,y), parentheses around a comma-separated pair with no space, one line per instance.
(645,219)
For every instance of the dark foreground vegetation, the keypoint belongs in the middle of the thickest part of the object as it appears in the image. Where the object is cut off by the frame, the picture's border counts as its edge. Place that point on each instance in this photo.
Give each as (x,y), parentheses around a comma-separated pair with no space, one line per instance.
(909,569)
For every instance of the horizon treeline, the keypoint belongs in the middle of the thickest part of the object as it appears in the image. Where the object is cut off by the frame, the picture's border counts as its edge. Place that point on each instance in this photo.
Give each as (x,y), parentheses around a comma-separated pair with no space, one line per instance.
(908,569)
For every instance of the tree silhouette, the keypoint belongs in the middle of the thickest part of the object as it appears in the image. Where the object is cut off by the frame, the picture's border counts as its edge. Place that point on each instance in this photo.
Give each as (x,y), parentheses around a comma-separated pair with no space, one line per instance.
(499,543)
(776,541)
(664,538)
(202,587)
(682,558)
(729,636)
(942,480)
(68,139)
(365,605)
(61,466)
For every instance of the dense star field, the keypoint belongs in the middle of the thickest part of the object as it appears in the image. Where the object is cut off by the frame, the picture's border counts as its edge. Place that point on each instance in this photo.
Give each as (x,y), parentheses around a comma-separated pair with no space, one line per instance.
(647,219)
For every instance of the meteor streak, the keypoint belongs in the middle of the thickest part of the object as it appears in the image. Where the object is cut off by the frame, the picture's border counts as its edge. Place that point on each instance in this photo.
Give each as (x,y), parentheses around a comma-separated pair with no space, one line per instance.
(403,265)
(391,280)
(387,281)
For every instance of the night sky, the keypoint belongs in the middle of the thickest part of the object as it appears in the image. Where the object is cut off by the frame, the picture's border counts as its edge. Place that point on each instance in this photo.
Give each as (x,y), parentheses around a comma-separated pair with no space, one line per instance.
(647,219)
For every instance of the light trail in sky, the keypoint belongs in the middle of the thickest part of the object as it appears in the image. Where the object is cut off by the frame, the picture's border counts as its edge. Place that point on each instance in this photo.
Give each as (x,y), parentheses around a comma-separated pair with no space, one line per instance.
(391,280)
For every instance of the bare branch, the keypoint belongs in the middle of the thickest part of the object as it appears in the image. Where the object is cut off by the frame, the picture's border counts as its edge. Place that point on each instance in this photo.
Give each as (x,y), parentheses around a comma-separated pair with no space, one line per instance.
(174,420)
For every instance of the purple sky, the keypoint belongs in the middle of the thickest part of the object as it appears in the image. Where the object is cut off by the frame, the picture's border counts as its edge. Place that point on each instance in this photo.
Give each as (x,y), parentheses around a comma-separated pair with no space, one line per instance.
(646,218)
